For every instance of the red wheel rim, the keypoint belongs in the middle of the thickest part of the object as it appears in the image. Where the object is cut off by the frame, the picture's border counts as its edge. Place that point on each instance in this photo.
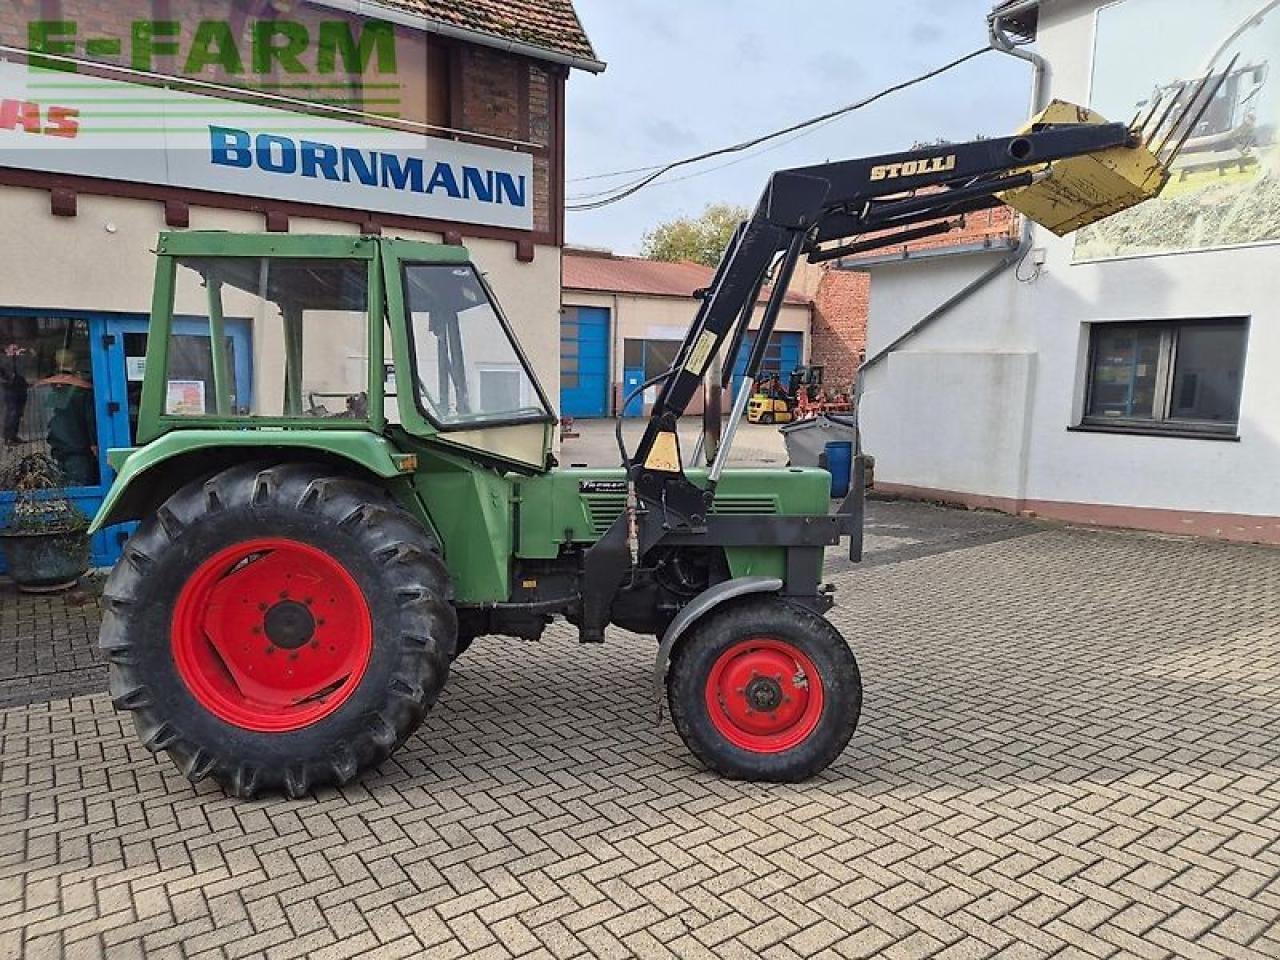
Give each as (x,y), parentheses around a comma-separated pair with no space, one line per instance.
(271,635)
(764,695)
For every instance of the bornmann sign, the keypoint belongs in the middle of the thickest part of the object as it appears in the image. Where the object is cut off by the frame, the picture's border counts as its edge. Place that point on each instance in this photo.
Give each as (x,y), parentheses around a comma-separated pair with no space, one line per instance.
(58,122)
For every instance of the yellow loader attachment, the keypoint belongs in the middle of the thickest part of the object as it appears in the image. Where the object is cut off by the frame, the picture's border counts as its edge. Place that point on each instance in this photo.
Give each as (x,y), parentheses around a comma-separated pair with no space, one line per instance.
(1073,193)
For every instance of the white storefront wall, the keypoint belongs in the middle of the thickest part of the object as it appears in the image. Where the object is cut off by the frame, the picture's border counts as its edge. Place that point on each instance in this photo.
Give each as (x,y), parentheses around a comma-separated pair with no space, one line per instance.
(981,402)
(101,260)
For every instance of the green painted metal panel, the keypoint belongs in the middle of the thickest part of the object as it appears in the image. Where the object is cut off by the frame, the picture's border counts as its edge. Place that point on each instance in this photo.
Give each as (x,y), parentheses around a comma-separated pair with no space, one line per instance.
(154,376)
(553,509)
(411,417)
(471,510)
(374,453)
(757,562)
(415,251)
(216,243)
(576,505)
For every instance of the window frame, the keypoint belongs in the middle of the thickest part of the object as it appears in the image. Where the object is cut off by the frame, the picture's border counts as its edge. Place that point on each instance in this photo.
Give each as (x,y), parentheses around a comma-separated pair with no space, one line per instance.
(105,436)
(545,417)
(160,421)
(1161,422)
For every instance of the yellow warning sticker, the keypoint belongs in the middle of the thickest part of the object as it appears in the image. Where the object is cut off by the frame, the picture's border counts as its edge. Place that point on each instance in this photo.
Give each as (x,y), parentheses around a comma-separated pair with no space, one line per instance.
(664,455)
(700,353)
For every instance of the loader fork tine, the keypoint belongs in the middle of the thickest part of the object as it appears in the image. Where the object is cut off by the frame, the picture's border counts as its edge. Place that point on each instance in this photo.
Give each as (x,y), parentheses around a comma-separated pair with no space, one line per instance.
(1194,113)
(1150,130)
(1145,114)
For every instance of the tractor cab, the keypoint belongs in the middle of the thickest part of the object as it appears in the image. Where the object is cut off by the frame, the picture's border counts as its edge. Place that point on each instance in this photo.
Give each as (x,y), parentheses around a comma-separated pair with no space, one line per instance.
(337,333)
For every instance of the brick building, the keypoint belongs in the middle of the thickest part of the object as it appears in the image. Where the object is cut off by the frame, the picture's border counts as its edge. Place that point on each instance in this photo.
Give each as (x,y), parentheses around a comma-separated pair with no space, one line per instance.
(841,291)
(624,319)
(838,335)
(419,118)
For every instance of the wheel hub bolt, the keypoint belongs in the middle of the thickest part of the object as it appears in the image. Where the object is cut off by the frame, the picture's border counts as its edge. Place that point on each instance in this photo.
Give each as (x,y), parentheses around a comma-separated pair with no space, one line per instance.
(289,625)
(764,694)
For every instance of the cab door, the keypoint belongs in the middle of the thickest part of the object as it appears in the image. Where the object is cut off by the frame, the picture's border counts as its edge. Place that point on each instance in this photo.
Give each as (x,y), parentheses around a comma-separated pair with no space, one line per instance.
(461,377)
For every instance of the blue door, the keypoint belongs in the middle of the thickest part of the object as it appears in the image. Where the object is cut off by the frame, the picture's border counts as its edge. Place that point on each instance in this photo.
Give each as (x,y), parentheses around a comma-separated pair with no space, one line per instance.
(124,356)
(127,353)
(584,362)
(784,354)
(632,377)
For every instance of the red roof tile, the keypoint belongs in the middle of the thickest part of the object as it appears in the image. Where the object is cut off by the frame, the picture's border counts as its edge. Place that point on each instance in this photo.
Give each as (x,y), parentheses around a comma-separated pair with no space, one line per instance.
(609,273)
(550,24)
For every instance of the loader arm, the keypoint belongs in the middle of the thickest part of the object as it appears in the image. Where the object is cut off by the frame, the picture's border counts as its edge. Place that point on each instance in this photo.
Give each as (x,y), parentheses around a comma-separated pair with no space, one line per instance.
(1067,168)
(836,209)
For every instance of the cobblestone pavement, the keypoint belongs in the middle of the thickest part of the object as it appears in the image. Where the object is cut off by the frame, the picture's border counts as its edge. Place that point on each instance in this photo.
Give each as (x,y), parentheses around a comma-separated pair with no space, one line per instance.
(1070,746)
(49,645)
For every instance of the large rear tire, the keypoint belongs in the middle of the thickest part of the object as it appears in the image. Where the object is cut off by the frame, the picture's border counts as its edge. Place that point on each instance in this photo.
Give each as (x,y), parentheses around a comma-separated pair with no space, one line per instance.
(278,628)
(764,690)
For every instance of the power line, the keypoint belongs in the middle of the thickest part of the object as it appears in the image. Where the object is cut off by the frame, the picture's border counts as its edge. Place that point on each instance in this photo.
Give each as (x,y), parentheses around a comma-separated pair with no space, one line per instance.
(596,201)
(615,173)
(776,145)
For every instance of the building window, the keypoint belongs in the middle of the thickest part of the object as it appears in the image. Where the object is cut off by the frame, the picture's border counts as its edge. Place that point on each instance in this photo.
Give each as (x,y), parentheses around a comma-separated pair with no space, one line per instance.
(500,387)
(651,356)
(569,334)
(1181,377)
(1224,176)
(47,395)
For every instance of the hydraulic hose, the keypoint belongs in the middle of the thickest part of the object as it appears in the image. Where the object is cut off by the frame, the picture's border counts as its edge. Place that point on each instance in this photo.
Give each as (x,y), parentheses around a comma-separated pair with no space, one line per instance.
(617,430)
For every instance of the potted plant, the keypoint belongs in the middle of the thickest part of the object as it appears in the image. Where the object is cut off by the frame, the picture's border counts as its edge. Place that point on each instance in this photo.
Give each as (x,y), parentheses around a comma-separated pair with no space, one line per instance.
(45,540)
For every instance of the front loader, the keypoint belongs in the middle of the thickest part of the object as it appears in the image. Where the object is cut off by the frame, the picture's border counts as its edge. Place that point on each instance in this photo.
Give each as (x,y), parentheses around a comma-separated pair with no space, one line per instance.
(345,475)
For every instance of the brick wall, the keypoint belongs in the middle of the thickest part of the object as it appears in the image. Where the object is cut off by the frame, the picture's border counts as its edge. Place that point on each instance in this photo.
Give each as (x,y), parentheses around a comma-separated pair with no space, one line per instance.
(841,298)
(506,96)
(838,336)
(995,226)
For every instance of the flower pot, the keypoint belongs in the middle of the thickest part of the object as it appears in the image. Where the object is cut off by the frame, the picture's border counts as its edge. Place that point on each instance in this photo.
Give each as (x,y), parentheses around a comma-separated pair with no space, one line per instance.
(41,561)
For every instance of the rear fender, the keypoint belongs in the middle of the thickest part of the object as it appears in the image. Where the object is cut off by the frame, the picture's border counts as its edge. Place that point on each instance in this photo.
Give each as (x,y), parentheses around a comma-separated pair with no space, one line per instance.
(695,610)
(148,475)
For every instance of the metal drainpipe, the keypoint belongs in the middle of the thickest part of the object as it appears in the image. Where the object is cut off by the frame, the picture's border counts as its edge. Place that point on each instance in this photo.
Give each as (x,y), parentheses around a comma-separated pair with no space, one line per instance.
(999,41)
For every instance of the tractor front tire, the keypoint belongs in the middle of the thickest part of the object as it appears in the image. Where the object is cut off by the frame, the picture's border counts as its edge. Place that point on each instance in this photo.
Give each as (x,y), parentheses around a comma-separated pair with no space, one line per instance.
(278,627)
(764,690)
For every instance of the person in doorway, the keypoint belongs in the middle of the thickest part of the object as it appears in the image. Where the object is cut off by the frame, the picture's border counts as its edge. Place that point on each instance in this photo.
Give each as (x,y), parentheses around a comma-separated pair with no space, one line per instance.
(72,435)
(13,391)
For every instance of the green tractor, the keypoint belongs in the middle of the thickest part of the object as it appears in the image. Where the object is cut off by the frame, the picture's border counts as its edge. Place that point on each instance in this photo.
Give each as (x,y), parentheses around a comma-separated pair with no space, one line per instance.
(345,475)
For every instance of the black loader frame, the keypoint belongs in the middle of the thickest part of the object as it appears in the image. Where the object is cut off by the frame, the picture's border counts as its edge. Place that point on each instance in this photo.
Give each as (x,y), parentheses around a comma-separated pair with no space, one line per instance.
(824,212)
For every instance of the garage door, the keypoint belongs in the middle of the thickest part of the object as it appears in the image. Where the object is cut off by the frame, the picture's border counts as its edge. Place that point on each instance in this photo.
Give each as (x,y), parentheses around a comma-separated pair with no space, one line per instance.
(783,355)
(584,362)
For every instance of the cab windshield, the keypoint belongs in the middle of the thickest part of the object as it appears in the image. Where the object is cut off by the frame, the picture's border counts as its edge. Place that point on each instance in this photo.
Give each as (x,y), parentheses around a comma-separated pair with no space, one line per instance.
(467,368)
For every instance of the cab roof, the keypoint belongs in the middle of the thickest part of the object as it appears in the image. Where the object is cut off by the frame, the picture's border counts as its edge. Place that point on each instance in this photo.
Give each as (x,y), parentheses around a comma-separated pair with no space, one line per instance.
(223,243)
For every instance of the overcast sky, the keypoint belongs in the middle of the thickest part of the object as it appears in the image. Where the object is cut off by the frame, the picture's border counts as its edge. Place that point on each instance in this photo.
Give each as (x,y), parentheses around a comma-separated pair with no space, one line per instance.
(685,77)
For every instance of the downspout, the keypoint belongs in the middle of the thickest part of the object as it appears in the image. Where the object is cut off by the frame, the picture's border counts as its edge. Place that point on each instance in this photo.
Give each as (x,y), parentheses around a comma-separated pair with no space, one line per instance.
(999,41)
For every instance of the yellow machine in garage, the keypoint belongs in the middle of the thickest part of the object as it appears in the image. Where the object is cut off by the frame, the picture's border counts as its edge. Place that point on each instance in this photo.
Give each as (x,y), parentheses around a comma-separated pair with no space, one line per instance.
(776,402)
(763,408)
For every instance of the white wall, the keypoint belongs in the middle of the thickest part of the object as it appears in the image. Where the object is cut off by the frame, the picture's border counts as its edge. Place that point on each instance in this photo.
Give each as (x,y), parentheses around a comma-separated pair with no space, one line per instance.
(949,409)
(101,260)
(944,411)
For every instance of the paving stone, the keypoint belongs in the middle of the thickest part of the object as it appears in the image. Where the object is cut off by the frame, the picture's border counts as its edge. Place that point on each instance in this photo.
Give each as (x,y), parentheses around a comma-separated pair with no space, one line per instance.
(1068,748)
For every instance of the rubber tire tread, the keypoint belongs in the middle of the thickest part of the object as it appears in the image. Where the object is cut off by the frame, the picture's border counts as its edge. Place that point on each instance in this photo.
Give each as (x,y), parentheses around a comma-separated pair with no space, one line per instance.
(814,635)
(394,560)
